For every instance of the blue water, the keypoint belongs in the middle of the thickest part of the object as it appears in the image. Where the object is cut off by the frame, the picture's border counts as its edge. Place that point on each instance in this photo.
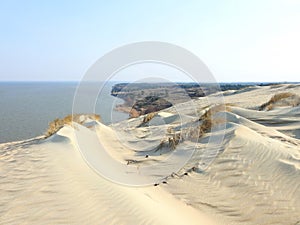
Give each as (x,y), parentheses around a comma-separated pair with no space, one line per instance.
(26,108)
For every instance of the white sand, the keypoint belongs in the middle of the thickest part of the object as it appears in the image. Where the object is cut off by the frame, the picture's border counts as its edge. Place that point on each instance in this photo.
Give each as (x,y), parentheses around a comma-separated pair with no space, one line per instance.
(253,178)
(48,182)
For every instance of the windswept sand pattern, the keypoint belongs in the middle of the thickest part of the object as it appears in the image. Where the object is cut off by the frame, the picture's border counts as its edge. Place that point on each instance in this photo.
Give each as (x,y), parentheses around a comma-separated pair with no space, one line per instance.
(252,178)
(49,183)
(249,183)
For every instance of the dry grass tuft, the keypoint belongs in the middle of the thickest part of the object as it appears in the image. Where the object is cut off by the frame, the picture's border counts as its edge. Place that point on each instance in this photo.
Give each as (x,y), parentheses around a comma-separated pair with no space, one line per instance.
(276,98)
(147,118)
(207,122)
(54,126)
(161,145)
(57,124)
(170,142)
(174,140)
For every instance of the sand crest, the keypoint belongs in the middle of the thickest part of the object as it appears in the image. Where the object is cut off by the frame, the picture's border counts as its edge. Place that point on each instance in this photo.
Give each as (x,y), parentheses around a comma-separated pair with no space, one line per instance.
(253,177)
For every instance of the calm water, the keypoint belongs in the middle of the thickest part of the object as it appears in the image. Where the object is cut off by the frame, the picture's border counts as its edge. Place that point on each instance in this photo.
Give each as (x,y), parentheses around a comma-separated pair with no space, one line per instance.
(26,108)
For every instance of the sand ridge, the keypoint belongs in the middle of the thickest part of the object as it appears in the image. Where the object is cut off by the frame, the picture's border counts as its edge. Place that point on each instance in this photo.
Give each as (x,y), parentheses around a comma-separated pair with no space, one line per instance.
(252,178)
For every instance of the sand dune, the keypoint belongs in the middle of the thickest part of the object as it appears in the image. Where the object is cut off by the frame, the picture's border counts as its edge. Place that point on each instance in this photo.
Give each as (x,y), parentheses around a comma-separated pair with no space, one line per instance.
(255,180)
(252,177)
(47,182)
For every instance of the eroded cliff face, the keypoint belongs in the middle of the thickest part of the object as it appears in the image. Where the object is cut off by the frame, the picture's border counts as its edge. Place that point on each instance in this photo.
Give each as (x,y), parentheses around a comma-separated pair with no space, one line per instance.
(147,105)
(143,98)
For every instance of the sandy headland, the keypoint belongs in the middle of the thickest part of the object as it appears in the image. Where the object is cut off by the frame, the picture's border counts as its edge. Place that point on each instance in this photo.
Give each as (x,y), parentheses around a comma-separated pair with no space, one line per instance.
(244,166)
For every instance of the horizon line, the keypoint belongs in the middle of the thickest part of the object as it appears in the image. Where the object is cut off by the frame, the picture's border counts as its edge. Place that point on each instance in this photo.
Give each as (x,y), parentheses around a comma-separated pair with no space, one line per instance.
(78,81)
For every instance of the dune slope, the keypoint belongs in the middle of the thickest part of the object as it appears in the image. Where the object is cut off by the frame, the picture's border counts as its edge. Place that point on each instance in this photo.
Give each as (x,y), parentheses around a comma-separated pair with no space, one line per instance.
(48,182)
(251,177)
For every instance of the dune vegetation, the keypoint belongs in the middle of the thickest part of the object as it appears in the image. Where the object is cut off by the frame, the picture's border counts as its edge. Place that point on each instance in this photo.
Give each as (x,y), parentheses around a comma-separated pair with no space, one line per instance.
(58,123)
(207,121)
(230,163)
(147,118)
(282,99)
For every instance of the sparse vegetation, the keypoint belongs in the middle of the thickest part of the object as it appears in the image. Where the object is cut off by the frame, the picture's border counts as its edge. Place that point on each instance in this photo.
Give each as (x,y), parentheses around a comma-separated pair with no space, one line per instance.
(280,97)
(174,140)
(147,118)
(161,145)
(57,124)
(170,142)
(207,122)
(148,104)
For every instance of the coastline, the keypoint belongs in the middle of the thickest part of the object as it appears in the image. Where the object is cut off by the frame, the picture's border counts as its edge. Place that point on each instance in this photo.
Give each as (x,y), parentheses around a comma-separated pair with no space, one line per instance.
(254,173)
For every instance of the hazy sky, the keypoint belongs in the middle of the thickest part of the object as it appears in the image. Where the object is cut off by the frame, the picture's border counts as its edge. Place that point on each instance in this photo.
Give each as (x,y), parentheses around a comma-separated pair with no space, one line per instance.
(241,40)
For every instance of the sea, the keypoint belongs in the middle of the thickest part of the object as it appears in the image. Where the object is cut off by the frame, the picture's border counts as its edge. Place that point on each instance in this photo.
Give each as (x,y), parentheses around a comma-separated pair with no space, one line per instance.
(26,108)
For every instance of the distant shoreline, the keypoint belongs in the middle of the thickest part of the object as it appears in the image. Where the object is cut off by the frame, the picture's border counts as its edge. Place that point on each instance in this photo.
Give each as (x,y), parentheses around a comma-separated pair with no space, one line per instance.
(136,95)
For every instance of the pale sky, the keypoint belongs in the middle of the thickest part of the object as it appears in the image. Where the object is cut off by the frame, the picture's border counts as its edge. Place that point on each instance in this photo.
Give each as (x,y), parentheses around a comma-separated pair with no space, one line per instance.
(240,41)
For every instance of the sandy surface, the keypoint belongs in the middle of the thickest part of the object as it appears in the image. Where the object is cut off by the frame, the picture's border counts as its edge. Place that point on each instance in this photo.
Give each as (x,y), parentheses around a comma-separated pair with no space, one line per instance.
(252,177)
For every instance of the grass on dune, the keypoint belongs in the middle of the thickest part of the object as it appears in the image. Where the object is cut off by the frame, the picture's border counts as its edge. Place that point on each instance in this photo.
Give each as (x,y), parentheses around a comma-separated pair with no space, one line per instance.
(147,118)
(277,98)
(171,142)
(58,123)
(207,121)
